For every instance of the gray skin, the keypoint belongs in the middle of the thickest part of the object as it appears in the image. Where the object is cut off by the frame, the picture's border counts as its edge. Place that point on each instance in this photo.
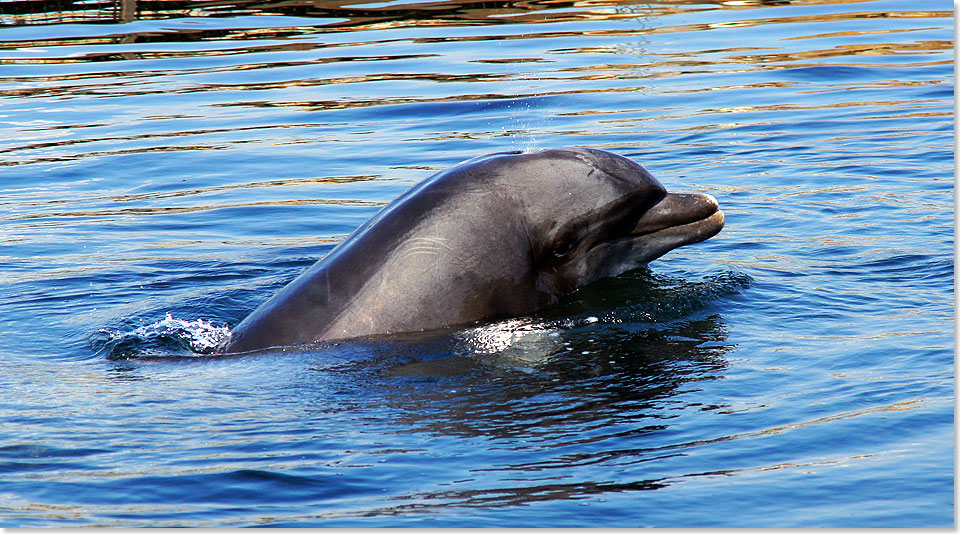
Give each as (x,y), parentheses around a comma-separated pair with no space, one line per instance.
(497,236)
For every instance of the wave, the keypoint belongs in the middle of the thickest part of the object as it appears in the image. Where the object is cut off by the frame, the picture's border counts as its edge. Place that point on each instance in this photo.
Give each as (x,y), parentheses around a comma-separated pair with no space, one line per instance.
(168,337)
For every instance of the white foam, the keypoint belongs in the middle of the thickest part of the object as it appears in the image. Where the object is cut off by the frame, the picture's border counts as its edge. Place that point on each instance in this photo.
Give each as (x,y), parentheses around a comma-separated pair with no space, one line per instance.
(201,336)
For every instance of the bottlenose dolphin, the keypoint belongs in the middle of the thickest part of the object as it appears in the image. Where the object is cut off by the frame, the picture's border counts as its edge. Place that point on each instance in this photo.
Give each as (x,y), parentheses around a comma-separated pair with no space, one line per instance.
(501,235)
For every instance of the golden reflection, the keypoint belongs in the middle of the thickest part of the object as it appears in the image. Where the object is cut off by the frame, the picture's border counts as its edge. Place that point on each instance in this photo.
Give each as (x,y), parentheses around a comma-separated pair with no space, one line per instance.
(768,61)
(106,263)
(102,214)
(632,118)
(514,60)
(299,241)
(159,135)
(871,49)
(535,12)
(360,103)
(852,33)
(340,13)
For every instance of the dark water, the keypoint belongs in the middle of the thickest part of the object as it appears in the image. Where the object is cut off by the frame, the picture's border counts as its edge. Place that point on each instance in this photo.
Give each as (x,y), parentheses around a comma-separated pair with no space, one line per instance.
(166,166)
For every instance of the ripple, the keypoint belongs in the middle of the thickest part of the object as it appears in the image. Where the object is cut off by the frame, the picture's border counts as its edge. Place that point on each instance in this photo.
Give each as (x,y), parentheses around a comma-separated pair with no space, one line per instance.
(168,337)
(166,162)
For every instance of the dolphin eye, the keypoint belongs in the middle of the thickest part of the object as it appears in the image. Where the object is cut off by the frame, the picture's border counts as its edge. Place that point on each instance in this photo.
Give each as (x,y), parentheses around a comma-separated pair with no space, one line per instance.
(563,249)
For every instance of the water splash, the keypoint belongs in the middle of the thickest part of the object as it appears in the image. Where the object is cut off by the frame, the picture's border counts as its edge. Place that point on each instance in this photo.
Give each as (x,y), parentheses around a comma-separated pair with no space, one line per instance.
(169,337)
(529,121)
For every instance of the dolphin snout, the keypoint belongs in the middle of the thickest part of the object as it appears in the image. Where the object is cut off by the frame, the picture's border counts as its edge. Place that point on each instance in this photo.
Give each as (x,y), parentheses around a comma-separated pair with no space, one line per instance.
(676,209)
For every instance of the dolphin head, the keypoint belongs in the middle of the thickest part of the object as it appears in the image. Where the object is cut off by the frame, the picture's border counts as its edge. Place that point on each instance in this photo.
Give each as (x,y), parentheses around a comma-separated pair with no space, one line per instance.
(593,214)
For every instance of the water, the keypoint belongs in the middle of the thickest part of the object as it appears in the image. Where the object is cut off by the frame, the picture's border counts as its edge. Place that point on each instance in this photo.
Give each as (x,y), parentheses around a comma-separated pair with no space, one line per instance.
(164,169)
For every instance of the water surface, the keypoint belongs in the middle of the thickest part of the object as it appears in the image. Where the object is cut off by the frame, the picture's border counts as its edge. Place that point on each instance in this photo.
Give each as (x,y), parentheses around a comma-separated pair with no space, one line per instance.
(166,166)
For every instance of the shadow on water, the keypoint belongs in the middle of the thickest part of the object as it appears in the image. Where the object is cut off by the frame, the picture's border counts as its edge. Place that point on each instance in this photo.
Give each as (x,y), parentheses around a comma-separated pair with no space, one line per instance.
(639,334)
(480,373)
(497,395)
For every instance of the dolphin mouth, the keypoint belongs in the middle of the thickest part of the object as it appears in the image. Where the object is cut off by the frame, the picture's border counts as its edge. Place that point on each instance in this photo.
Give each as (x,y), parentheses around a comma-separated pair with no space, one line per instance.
(689,218)
(677,219)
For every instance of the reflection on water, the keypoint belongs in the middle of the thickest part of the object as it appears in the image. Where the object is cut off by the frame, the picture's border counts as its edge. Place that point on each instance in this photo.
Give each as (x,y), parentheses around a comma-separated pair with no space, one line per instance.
(369,15)
(165,166)
(592,377)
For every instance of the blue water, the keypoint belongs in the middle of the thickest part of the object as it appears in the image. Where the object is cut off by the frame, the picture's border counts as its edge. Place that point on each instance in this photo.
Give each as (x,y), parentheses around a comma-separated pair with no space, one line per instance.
(165,169)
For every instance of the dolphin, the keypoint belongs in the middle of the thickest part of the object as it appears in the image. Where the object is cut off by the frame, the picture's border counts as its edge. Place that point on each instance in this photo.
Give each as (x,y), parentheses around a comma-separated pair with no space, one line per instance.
(497,236)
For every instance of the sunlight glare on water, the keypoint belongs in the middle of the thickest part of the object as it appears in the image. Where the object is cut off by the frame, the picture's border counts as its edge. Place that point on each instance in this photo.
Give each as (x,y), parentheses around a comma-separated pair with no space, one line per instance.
(165,167)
